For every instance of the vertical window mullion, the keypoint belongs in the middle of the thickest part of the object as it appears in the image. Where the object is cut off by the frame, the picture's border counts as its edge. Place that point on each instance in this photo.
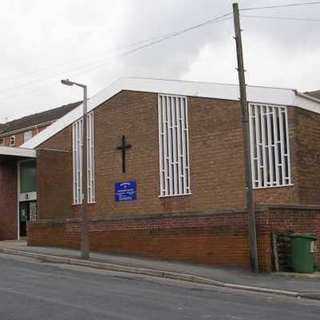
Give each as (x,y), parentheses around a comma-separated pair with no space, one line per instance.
(80,161)
(263,146)
(169,110)
(282,147)
(270,148)
(276,145)
(187,160)
(74,163)
(252,144)
(174,144)
(179,174)
(288,146)
(259,144)
(93,169)
(167,159)
(88,159)
(161,141)
(183,143)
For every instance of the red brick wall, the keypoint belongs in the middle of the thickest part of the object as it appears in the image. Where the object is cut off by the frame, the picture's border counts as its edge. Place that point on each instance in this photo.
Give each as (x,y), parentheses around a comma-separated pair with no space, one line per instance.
(217,238)
(308,156)
(297,219)
(61,141)
(49,234)
(54,183)
(8,200)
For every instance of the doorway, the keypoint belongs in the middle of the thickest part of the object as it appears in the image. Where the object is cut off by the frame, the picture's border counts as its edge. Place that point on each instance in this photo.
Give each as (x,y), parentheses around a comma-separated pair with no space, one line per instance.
(27,212)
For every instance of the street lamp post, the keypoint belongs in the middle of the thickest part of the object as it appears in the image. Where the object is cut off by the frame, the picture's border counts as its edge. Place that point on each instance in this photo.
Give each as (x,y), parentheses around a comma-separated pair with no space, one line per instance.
(84,238)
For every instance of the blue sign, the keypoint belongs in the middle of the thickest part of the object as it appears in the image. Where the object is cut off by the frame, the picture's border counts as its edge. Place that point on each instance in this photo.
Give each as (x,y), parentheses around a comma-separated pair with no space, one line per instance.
(126,191)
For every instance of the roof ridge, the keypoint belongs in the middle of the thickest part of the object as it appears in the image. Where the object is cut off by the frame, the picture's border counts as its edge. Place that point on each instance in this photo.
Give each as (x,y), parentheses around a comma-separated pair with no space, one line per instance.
(37,118)
(42,112)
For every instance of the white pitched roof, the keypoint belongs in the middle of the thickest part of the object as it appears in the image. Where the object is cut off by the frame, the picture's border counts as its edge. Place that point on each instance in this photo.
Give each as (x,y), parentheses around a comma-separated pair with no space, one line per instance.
(256,94)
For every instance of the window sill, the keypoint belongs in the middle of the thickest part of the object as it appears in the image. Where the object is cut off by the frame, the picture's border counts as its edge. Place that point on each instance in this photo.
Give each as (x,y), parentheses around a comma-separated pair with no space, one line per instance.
(269,187)
(176,195)
(80,204)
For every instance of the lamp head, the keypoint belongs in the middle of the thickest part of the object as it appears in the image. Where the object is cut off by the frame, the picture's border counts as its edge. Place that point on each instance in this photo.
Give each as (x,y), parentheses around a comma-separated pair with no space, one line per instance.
(67,82)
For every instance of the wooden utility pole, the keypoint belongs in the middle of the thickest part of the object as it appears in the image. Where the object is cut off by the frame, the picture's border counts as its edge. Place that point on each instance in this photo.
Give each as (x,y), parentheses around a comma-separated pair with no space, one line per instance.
(250,203)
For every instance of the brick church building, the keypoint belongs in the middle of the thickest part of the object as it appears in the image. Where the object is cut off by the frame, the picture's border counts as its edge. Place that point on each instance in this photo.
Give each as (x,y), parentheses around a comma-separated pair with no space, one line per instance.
(166,171)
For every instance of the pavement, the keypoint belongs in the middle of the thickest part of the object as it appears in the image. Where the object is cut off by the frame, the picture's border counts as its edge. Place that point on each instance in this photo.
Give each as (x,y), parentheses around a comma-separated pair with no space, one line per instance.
(285,284)
(33,290)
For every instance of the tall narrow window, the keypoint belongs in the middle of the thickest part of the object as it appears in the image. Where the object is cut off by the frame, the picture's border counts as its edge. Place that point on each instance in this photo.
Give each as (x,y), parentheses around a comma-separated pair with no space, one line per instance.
(77,160)
(270,152)
(173,145)
(90,159)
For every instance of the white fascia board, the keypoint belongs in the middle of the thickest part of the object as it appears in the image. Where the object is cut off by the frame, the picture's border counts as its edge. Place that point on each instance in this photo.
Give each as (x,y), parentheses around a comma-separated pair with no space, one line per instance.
(17,152)
(267,95)
(308,103)
(73,116)
(210,90)
(183,88)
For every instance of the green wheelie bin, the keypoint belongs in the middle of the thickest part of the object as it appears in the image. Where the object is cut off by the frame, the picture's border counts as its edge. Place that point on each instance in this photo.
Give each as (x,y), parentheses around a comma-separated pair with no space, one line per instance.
(302,253)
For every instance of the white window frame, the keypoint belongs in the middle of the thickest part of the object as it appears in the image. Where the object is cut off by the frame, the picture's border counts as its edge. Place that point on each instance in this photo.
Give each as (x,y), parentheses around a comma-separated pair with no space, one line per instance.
(77,130)
(270,146)
(12,141)
(27,135)
(174,162)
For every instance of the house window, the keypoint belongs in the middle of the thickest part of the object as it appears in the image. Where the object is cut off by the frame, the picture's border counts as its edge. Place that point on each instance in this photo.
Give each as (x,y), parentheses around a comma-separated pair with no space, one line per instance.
(1,141)
(270,149)
(27,135)
(77,160)
(28,177)
(12,141)
(173,145)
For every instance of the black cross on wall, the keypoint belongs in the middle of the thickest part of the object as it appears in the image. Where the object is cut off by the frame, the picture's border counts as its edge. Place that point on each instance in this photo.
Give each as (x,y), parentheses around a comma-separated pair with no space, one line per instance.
(123,147)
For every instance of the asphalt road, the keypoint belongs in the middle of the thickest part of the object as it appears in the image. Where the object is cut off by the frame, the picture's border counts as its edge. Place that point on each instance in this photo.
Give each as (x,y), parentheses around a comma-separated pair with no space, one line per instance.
(33,290)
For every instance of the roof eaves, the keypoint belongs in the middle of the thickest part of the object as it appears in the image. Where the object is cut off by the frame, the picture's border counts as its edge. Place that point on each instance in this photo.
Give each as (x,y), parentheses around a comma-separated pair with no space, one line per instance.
(256,94)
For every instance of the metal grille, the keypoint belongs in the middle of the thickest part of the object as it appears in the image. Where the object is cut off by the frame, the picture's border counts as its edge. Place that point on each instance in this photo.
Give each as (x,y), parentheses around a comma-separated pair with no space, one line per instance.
(270,152)
(77,160)
(173,145)
(90,158)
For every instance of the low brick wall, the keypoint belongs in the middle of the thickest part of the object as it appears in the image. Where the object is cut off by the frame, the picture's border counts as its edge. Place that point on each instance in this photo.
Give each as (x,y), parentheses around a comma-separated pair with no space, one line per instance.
(213,239)
(47,233)
(218,238)
(8,200)
(285,219)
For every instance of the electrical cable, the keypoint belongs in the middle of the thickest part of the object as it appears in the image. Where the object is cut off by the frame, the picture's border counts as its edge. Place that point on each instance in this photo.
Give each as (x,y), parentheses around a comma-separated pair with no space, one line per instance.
(282,6)
(281,18)
(158,40)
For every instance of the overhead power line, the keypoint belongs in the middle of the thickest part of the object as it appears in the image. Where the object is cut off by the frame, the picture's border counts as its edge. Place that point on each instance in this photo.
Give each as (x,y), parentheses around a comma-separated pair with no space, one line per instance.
(147,43)
(303,4)
(282,18)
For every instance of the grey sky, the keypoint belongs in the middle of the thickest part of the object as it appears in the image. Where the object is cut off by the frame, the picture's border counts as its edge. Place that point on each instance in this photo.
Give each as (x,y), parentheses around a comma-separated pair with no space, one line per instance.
(43,41)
